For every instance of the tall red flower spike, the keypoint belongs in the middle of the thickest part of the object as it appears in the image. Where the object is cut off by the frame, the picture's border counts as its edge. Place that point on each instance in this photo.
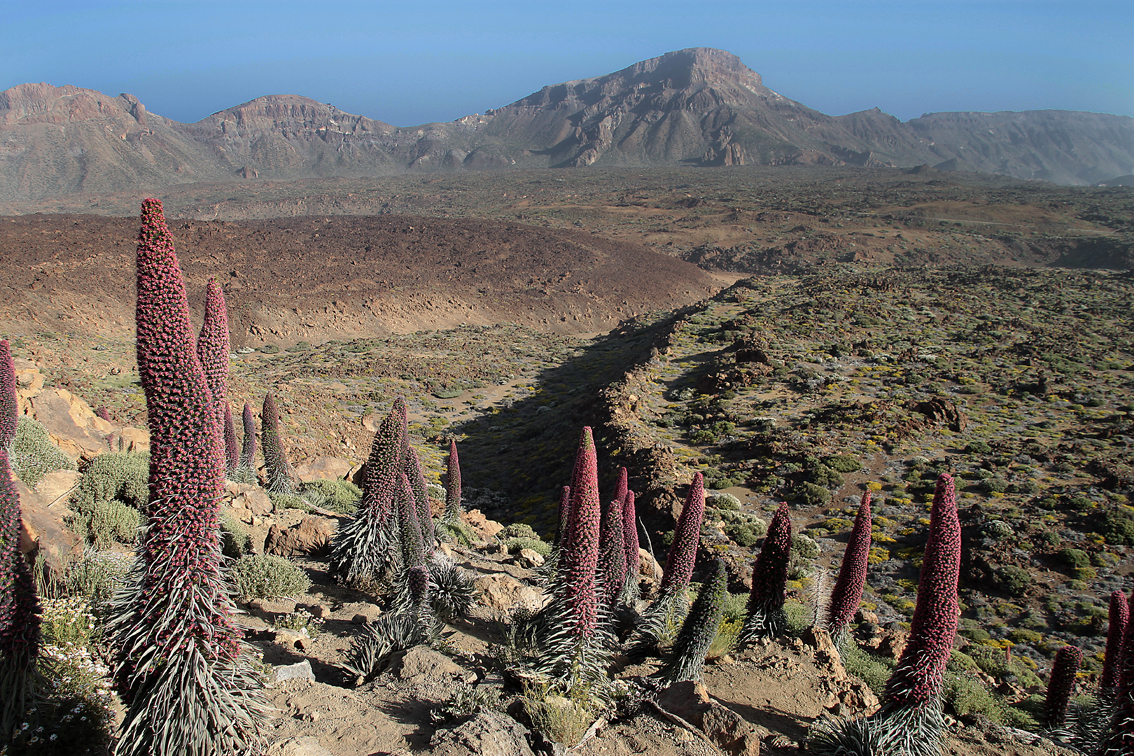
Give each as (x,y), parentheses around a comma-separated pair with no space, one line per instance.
(281,477)
(630,544)
(579,559)
(1112,663)
(564,515)
(612,554)
(453,484)
(764,615)
(917,677)
(1062,684)
(847,593)
(213,343)
(179,620)
(9,409)
(622,486)
(231,447)
(686,538)
(19,609)
(248,447)
(411,466)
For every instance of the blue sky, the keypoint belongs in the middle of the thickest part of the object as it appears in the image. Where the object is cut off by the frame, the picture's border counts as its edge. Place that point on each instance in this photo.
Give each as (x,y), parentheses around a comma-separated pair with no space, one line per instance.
(414,63)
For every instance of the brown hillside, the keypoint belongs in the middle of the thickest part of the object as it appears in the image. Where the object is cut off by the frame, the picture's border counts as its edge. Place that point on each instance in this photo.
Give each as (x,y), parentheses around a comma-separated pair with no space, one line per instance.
(308,279)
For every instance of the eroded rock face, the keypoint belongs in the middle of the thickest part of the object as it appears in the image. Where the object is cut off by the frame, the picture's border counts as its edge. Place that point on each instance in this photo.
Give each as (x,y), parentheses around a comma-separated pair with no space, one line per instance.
(723,726)
(310,537)
(486,734)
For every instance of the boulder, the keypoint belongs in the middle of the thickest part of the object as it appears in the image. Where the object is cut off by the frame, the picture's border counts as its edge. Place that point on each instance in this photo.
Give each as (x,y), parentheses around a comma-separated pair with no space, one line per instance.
(481,525)
(70,422)
(299,671)
(489,733)
(43,530)
(422,663)
(503,592)
(246,501)
(324,468)
(129,439)
(56,486)
(310,537)
(724,727)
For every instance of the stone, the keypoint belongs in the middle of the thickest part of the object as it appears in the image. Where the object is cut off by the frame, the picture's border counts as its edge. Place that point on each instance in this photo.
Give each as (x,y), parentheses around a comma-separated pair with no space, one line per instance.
(480,524)
(422,662)
(55,486)
(529,558)
(308,746)
(324,468)
(271,607)
(299,671)
(502,593)
(359,612)
(723,726)
(489,733)
(648,566)
(70,422)
(246,501)
(310,537)
(293,639)
(43,529)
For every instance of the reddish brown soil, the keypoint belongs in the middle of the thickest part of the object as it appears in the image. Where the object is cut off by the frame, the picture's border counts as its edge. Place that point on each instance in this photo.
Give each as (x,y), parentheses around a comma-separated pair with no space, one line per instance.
(309,279)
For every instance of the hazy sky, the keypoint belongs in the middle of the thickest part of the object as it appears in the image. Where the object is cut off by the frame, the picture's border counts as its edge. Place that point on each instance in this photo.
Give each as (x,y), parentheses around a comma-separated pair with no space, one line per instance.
(418,62)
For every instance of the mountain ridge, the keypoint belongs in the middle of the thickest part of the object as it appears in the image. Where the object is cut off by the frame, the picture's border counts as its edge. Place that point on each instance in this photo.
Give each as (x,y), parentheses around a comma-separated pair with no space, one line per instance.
(696,107)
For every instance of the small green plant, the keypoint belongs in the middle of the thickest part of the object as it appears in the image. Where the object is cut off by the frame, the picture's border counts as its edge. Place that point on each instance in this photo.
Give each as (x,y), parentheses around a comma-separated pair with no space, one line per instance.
(266,576)
(1013,580)
(301,621)
(107,503)
(340,496)
(514,545)
(33,455)
(235,540)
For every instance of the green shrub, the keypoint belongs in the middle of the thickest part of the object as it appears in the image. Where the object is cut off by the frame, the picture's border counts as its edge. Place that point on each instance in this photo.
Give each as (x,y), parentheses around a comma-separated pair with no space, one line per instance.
(270,349)
(998,529)
(265,576)
(978,447)
(515,544)
(844,463)
(746,534)
(722,500)
(873,670)
(340,496)
(967,696)
(518,530)
(1118,527)
(96,577)
(1075,558)
(1013,580)
(116,475)
(813,495)
(33,455)
(111,522)
(994,485)
(804,546)
(235,540)
(290,501)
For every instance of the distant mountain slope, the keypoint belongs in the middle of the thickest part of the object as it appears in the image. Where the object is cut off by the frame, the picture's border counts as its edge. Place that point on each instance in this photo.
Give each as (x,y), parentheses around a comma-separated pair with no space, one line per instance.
(698,107)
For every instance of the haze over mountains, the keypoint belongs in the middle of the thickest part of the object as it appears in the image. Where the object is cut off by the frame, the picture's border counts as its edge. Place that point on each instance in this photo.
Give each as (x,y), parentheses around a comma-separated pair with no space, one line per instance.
(695,107)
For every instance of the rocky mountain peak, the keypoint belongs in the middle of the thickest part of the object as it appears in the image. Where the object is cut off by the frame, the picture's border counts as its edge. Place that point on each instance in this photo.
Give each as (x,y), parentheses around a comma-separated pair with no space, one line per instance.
(41,103)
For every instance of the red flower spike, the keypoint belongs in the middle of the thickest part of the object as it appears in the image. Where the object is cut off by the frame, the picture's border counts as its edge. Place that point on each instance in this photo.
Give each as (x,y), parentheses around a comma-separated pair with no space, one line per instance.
(686,538)
(1112,662)
(453,484)
(1062,684)
(612,553)
(847,593)
(248,448)
(580,547)
(9,407)
(917,677)
(630,536)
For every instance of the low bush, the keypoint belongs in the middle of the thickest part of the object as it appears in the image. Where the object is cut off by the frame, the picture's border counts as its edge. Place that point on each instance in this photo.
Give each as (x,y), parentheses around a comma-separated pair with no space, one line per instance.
(340,496)
(265,576)
(1013,580)
(33,455)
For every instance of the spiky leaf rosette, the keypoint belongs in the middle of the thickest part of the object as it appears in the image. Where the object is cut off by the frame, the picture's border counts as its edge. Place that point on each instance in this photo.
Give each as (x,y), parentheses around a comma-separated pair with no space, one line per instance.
(213,343)
(630,546)
(687,656)
(686,538)
(179,655)
(1061,685)
(452,484)
(916,680)
(411,466)
(1112,663)
(764,616)
(364,549)
(9,408)
(451,590)
(277,467)
(231,447)
(19,610)
(847,593)
(248,447)
(612,554)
